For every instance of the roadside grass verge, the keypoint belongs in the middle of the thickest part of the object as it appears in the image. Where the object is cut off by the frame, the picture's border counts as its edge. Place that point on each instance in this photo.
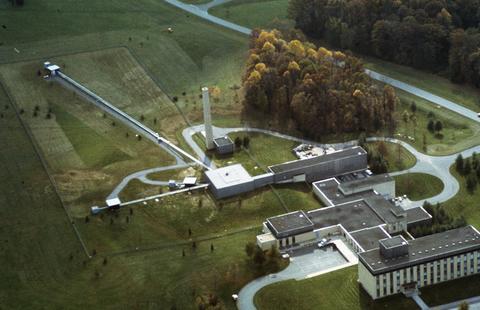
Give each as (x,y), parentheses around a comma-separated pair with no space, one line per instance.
(461,94)
(417,186)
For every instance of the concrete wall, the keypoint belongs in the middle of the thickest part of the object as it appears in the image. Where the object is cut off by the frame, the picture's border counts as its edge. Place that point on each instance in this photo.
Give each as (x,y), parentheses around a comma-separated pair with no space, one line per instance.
(263,180)
(327,202)
(226,149)
(386,189)
(423,274)
(300,239)
(233,190)
(267,243)
(325,170)
(367,280)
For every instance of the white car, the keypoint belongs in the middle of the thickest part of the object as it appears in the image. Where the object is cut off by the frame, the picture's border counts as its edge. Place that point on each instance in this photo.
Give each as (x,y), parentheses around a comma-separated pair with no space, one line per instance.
(478,114)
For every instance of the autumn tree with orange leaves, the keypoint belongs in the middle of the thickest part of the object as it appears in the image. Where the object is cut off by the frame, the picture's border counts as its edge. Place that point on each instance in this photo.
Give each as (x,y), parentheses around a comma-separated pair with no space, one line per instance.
(322,91)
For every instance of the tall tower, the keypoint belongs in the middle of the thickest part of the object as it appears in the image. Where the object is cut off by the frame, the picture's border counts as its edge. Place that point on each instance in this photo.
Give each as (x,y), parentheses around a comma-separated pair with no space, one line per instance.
(207,118)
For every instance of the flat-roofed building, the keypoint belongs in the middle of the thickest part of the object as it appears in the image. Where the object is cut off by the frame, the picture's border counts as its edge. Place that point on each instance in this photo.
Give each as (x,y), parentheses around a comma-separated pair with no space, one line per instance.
(398,265)
(381,183)
(229,181)
(321,167)
(224,145)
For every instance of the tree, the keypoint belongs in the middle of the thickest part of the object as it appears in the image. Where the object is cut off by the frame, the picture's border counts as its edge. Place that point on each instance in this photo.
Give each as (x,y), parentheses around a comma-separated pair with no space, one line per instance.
(105,261)
(459,164)
(463,306)
(259,256)
(246,142)
(211,247)
(250,248)
(382,148)
(438,127)
(238,142)
(413,107)
(194,245)
(87,219)
(467,167)
(431,126)
(471,183)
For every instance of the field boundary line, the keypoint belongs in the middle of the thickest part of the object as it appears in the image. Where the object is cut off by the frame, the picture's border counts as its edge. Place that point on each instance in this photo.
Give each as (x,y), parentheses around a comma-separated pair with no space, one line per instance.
(45,166)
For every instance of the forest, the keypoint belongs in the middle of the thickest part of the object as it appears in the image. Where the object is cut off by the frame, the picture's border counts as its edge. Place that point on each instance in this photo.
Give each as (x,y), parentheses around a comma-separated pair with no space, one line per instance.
(318,90)
(433,35)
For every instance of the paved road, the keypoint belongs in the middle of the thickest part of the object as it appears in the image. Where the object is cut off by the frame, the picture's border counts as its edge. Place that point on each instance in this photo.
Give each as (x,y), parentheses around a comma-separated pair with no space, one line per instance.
(205,7)
(142,176)
(303,263)
(425,95)
(195,10)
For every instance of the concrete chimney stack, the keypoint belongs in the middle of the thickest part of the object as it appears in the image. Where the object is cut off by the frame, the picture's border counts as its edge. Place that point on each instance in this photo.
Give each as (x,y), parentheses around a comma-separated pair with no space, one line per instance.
(207,118)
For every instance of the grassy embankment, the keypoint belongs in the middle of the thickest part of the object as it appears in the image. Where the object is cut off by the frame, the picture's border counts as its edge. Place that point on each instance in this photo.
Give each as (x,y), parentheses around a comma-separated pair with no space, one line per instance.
(335,290)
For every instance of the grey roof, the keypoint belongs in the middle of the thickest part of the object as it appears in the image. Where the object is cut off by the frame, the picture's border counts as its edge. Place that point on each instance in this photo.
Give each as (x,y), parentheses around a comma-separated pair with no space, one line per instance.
(365,182)
(228,176)
(368,238)
(222,141)
(352,215)
(329,188)
(393,241)
(385,209)
(303,163)
(417,215)
(425,249)
(289,224)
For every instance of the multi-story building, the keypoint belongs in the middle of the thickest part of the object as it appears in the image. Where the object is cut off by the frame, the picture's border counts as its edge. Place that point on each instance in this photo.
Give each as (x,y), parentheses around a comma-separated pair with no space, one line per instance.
(398,266)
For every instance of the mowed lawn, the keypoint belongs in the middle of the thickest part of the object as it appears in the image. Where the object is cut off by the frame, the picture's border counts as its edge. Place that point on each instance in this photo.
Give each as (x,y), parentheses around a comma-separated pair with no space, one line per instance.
(417,186)
(253,14)
(334,290)
(464,203)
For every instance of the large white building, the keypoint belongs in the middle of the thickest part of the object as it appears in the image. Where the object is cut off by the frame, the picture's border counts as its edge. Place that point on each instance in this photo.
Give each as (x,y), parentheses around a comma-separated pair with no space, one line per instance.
(398,266)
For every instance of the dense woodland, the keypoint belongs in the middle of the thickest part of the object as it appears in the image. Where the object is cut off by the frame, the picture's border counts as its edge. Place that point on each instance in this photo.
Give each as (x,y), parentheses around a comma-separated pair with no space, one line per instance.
(426,34)
(317,90)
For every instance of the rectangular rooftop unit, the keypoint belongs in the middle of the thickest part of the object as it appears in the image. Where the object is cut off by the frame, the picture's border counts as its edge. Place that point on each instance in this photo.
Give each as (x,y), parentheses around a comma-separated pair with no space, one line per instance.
(393,247)
(230,181)
(290,224)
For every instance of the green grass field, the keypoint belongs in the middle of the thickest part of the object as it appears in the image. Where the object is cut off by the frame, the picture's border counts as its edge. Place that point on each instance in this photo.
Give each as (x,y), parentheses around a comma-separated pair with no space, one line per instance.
(417,186)
(243,12)
(335,290)
(464,203)
(397,157)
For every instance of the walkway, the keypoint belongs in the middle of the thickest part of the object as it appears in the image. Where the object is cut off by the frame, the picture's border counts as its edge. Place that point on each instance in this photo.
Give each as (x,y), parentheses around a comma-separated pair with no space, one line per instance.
(142,176)
(303,264)
(419,301)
